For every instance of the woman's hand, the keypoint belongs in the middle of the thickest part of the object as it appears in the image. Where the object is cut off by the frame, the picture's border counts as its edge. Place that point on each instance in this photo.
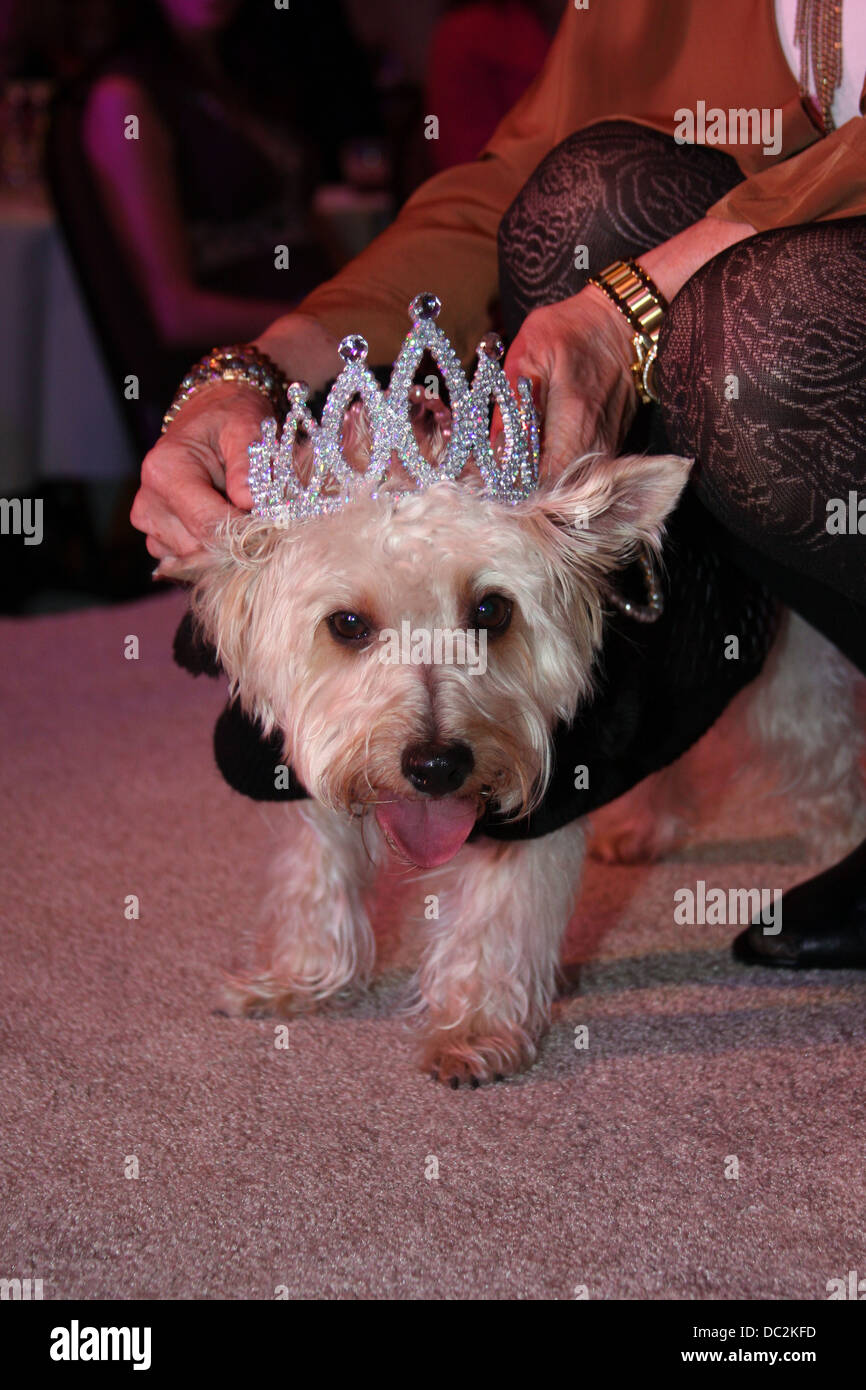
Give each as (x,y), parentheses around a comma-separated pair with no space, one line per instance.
(578,355)
(197,469)
(196,474)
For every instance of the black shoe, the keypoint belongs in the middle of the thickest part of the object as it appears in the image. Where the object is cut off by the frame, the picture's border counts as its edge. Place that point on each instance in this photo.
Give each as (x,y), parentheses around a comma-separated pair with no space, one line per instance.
(823,923)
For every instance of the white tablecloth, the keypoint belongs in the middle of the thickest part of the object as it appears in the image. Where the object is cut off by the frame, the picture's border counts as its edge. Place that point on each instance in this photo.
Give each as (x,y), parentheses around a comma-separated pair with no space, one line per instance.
(60,415)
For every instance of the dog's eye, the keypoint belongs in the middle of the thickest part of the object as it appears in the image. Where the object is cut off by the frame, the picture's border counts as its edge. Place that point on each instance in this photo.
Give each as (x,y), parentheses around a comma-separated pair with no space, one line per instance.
(348,627)
(492,612)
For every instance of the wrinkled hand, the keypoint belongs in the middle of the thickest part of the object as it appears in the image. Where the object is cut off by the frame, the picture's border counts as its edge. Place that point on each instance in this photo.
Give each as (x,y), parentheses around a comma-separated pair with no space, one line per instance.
(195,476)
(578,355)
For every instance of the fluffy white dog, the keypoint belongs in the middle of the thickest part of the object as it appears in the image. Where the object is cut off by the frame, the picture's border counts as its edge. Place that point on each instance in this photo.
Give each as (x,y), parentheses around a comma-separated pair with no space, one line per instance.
(402,758)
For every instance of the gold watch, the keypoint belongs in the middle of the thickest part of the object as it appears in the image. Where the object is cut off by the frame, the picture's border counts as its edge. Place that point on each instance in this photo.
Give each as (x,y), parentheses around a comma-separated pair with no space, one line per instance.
(643,305)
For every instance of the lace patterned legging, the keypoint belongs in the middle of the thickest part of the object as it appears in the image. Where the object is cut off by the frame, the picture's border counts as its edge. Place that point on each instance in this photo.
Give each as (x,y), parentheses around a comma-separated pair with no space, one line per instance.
(761,370)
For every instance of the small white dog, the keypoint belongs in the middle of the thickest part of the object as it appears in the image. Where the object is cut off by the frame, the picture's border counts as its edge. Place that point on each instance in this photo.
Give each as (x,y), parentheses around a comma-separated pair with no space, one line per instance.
(401,758)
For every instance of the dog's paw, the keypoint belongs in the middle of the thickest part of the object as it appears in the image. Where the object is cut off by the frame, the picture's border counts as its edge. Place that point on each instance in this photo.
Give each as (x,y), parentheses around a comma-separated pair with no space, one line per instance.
(265,996)
(469,1060)
(634,841)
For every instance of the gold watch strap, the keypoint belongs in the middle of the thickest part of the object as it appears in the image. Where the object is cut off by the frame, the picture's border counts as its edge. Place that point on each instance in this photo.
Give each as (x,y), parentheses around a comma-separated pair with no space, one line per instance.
(643,305)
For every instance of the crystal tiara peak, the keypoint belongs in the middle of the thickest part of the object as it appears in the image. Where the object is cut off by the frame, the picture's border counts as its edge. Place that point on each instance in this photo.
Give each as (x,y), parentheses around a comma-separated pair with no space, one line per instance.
(509,475)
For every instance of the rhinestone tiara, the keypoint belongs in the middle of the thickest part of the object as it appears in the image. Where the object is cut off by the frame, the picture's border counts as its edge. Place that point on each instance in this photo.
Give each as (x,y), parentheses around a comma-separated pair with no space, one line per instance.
(508,476)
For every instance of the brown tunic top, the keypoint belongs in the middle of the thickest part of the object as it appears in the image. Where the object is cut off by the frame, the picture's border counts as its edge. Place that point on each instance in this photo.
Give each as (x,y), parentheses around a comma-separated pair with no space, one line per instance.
(640,60)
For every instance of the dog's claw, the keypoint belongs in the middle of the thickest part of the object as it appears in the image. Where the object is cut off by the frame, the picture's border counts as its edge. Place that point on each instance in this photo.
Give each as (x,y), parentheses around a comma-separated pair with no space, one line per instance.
(472,1061)
(458,1083)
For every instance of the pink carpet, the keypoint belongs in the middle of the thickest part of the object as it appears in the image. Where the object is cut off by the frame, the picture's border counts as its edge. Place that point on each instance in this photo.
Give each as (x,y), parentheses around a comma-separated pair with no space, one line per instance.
(257,1168)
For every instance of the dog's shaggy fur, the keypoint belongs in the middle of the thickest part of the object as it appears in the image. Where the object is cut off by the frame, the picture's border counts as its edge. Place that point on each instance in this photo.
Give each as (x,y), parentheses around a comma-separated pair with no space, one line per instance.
(264,598)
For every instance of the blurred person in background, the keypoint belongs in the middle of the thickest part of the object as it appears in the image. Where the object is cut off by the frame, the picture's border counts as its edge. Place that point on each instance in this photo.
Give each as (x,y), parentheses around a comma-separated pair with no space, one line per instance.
(242,112)
(483,56)
(235,128)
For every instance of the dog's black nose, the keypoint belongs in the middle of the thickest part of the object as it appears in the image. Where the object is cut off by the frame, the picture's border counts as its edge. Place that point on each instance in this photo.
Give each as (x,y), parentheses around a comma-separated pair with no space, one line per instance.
(437,768)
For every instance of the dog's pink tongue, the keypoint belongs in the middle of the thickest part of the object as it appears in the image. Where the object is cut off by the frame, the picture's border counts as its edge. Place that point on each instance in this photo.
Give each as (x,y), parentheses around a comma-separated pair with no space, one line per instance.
(428,832)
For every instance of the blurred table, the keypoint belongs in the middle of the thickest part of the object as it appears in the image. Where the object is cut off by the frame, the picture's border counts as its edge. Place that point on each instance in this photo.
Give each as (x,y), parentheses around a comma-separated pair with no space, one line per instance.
(60,416)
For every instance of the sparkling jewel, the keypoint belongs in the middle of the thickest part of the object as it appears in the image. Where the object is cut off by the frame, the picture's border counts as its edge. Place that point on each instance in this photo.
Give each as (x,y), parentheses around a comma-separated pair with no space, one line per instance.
(425,306)
(353,348)
(492,346)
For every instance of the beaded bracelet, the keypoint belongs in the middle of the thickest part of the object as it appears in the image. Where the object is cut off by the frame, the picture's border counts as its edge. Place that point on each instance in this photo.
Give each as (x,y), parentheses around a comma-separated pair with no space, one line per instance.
(241,362)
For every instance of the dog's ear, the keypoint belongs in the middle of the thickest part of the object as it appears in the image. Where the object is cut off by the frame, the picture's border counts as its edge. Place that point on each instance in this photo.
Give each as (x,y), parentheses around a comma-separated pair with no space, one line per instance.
(183,569)
(607,507)
(223,579)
